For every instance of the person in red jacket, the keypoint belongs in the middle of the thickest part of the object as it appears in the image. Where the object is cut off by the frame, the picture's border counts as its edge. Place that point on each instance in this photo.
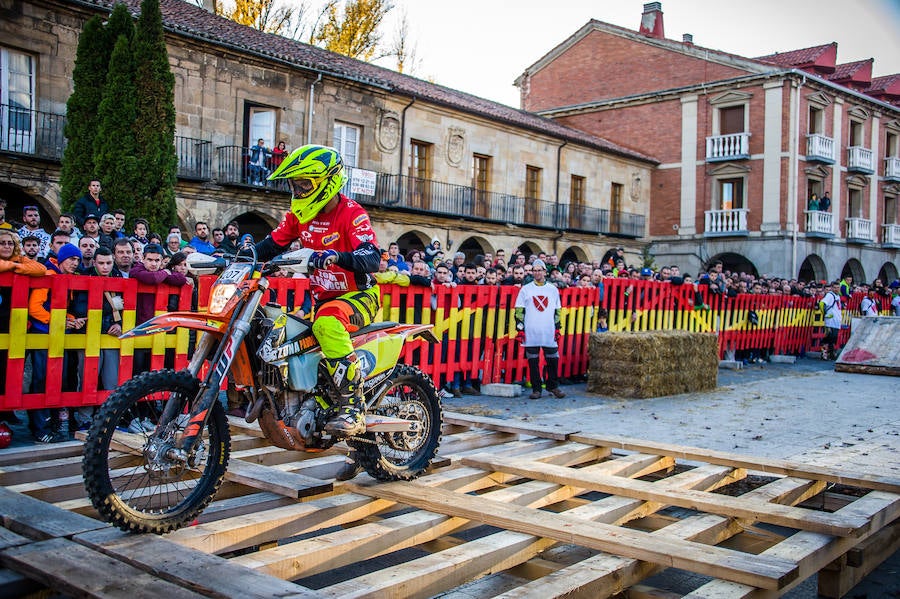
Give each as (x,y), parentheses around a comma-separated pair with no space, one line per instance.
(344,291)
(150,272)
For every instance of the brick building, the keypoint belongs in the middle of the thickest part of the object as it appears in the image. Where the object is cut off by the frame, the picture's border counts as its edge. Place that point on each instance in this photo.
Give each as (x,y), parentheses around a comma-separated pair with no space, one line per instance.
(444,163)
(743,143)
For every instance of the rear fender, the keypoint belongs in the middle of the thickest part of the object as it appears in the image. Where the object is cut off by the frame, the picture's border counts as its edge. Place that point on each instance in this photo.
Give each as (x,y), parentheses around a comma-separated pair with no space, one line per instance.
(381,349)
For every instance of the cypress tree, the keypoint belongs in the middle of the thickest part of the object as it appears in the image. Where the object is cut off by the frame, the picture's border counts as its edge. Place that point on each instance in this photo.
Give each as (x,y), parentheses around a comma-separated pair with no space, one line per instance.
(89,76)
(95,46)
(154,123)
(114,145)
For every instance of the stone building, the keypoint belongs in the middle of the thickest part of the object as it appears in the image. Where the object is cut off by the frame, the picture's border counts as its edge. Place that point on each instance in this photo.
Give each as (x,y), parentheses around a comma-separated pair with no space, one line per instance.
(743,143)
(427,161)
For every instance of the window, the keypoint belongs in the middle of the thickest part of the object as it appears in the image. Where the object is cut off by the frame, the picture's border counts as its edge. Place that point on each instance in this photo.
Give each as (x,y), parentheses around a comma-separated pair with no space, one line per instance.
(813,186)
(854,204)
(731,120)
(533,182)
(731,194)
(17,100)
(816,120)
(615,207)
(856,134)
(481,181)
(419,173)
(576,202)
(346,141)
(260,125)
(890,145)
(890,210)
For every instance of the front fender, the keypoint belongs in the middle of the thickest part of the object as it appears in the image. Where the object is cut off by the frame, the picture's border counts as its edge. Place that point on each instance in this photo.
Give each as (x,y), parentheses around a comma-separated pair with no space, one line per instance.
(165,323)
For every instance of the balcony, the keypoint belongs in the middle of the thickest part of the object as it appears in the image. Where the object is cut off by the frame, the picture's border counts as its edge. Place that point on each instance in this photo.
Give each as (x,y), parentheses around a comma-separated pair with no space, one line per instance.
(819,224)
(890,236)
(586,219)
(859,230)
(892,169)
(235,169)
(859,160)
(819,148)
(194,158)
(32,132)
(723,223)
(735,146)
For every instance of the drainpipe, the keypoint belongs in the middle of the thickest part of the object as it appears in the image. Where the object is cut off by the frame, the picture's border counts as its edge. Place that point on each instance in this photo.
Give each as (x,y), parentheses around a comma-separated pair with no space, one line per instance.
(312,97)
(559,229)
(793,175)
(402,146)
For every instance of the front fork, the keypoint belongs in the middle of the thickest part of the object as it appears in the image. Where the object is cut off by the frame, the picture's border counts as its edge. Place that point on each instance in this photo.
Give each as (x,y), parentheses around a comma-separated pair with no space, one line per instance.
(209,387)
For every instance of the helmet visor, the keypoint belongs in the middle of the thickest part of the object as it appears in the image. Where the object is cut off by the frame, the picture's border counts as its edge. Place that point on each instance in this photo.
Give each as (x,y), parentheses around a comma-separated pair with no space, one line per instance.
(302,187)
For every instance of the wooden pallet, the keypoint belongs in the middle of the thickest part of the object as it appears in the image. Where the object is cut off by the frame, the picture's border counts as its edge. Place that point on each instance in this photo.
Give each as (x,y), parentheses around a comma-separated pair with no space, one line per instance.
(513,511)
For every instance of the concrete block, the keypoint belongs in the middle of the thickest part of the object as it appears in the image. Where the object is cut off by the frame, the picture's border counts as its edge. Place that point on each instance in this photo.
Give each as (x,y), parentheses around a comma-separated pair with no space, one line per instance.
(782,359)
(731,364)
(501,390)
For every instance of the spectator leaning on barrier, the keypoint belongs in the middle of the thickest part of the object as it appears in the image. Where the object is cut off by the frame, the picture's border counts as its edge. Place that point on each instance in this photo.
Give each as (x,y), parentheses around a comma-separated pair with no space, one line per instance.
(111,321)
(537,313)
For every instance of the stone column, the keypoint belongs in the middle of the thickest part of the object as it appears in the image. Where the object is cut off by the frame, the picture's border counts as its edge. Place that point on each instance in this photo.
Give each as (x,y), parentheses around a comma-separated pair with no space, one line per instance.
(771,191)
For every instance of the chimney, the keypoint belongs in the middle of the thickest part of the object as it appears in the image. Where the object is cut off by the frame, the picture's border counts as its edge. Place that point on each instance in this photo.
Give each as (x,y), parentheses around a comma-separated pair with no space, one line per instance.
(687,39)
(652,20)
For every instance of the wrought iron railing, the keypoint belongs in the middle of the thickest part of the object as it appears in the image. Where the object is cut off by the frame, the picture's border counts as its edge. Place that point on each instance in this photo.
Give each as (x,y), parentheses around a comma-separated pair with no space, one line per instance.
(25,131)
(448,199)
(194,158)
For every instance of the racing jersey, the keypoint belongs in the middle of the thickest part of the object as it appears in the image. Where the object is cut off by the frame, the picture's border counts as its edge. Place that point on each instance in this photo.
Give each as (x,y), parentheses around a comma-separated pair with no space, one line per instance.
(348,231)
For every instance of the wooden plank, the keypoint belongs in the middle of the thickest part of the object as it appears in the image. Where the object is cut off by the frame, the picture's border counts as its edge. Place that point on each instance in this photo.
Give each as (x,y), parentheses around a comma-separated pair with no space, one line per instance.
(265,478)
(82,572)
(39,520)
(40,453)
(812,551)
(765,465)
(605,575)
(713,561)
(15,474)
(507,426)
(432,574)
(207,574)
(10,539)
(866,556)
(718,504)
(14,584)
(335,550)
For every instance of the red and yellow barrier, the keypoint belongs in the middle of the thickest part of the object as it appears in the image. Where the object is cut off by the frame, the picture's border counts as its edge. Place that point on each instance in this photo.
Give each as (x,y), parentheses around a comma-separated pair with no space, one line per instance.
(474,325)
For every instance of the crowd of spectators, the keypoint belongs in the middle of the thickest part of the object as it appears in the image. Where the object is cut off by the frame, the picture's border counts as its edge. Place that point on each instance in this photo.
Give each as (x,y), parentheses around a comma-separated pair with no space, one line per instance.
(95,240)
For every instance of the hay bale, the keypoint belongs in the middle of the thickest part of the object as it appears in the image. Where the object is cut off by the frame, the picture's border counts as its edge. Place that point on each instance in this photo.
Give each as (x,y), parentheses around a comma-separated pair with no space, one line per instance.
(652,363)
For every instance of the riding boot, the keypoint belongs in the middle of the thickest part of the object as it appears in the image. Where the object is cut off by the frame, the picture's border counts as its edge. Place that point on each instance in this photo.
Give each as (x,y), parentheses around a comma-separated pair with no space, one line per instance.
(346,374)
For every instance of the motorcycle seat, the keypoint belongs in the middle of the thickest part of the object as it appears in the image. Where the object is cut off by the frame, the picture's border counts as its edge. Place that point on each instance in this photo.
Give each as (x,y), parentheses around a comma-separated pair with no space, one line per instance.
(375,326)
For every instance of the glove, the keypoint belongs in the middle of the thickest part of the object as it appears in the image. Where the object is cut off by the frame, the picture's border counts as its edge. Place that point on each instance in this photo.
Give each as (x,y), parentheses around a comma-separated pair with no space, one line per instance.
(520,337)
(323,259)
(557,335)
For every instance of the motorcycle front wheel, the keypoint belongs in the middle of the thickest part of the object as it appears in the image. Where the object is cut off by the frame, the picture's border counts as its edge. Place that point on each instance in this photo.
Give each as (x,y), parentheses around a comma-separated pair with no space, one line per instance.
(127,475)
(403,456)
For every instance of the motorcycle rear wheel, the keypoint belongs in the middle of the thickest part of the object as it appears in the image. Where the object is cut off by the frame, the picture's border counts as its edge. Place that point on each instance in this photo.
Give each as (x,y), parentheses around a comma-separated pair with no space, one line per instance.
(403,456)
(137,490)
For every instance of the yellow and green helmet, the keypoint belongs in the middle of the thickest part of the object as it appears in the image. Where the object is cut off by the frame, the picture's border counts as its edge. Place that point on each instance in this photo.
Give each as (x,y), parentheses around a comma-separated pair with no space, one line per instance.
(314,174)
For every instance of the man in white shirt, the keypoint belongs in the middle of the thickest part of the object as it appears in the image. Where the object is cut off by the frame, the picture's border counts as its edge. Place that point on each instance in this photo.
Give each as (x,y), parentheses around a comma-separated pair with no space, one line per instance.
(537,314)
(831,307)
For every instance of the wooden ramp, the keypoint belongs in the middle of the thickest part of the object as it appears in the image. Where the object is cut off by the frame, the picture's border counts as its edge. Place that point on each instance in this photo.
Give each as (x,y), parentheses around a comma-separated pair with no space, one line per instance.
(872,347)
(512,511)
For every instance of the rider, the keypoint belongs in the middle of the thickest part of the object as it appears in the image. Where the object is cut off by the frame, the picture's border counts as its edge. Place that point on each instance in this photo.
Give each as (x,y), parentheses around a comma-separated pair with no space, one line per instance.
(346,251)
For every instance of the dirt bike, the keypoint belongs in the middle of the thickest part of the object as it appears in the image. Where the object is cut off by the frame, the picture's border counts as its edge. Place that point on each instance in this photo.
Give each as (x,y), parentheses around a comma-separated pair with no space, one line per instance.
(168,432)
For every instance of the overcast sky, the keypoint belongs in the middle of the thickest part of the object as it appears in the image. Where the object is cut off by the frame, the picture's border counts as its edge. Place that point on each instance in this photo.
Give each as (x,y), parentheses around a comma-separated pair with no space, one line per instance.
(481,46)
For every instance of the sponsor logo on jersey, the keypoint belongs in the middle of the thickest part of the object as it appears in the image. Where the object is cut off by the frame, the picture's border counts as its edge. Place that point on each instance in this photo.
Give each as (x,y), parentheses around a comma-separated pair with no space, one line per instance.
(365,238)
(360,220)
(541,302)
(330,239)
(306,236)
